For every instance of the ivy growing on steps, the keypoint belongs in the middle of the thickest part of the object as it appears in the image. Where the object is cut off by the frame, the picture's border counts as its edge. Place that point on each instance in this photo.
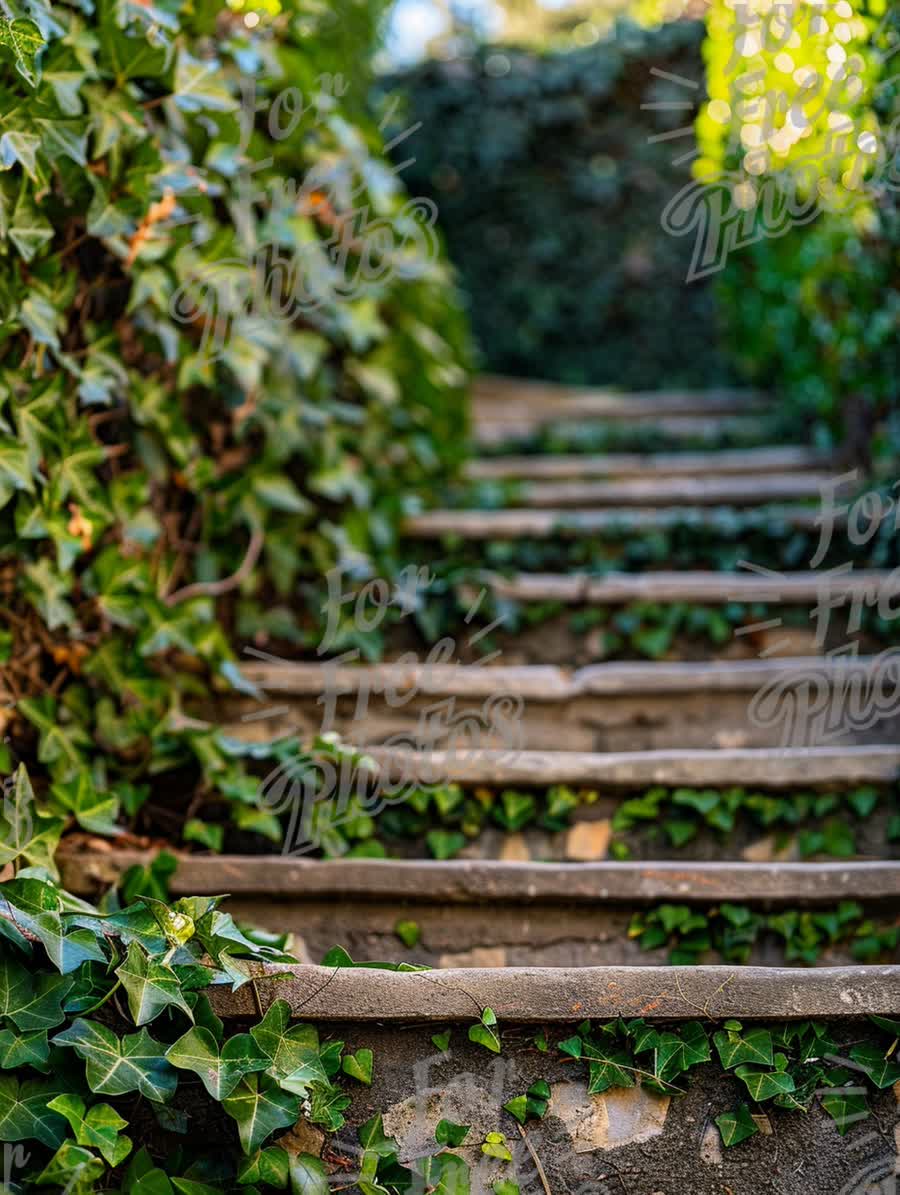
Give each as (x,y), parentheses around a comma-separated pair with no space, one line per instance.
(733,931)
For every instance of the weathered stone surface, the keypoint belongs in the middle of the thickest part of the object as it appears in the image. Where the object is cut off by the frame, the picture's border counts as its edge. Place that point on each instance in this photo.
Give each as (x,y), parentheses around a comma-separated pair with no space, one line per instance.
(765,850)
(588,841)
(663,491)
(478,956)
(623,1116)
(548,994)
(725,462)
(711,1146)
(303,1138)
(515,849)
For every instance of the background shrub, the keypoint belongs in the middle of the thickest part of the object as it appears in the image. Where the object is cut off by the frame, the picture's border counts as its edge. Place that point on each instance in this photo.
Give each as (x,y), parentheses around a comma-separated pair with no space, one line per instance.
(551,192)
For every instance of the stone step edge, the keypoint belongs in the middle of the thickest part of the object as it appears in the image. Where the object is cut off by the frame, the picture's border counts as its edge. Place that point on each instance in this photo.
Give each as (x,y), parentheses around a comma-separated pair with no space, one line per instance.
(762,767)
(480,881)
(574,466)
(557,994)
(869,585)
(547,683)
(523,522)
(495,431)
(553,400)
(681,491)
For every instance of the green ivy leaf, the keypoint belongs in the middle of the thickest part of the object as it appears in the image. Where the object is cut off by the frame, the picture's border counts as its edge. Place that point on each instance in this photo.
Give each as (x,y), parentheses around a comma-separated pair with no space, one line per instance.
(441,1041)
(24,1049)
(293,1053)
(308,1176)
(359,1066)
(846,1106)
(72,1169)
(116,1066)
(883,1071)
(98,1127)
(32,1002)
(448,1133)
(25,1113)
(260,1107)
(485,1033)
(736,1126)
(25,40)
(268,1166)
(753,1046)
(763,1085)
(220,1068)
(152,986)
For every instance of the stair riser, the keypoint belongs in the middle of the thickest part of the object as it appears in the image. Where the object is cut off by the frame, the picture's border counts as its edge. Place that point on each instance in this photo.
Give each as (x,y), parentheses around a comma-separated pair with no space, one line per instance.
(592,1145)
(598,723)
(490,935)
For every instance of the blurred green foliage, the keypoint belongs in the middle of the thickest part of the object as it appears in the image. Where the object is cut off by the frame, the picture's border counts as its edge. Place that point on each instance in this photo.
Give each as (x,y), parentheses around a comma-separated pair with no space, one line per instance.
(154,493)
(550,189)
(802,104)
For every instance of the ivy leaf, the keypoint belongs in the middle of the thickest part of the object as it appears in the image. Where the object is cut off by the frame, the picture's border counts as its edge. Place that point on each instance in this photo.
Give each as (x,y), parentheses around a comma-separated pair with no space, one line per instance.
(220,1069)
(94,811)
(359,1066)
(572,1046)
(485,1033)
(608,1068)
(32,1002)
(441,1041)
(446,1174)
(151,986)
(753,1046)
(268,1166)
(495,1147)
(327,1104)
(881,1070)
(293,1053)
(260,1107)
(448,1133)
(846,1106)
(25,1114)
(72,1169)
(763,1085)
(116,1066)
(98,1128)
(736,1126)
(373,1140)
(199,85)
(24,1049)
(23,37)
(29,230)
(25,831)
(308,1176)
(677,1052)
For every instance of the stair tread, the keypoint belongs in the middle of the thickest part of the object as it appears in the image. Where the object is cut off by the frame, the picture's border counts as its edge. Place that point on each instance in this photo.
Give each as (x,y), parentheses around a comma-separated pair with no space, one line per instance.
(554,994)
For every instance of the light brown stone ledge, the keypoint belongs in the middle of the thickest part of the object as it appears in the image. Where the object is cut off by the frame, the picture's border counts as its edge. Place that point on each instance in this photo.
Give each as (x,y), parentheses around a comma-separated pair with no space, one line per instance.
(556,994)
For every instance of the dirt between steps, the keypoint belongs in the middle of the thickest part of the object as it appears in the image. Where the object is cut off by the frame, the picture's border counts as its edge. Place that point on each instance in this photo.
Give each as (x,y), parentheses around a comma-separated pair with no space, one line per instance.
(625,1142)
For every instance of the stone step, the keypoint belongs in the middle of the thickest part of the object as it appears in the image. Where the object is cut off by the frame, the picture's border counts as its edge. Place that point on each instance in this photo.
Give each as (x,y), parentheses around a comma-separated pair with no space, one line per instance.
(556,995)
(510,399)
(868,586)
(626,1139)
(681,491)
(575,467)
(525,523)
(498,913)
(836,700)
(500,432)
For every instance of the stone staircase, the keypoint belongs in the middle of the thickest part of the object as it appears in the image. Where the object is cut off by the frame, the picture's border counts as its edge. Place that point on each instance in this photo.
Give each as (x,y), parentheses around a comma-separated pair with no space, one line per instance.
(543,926)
